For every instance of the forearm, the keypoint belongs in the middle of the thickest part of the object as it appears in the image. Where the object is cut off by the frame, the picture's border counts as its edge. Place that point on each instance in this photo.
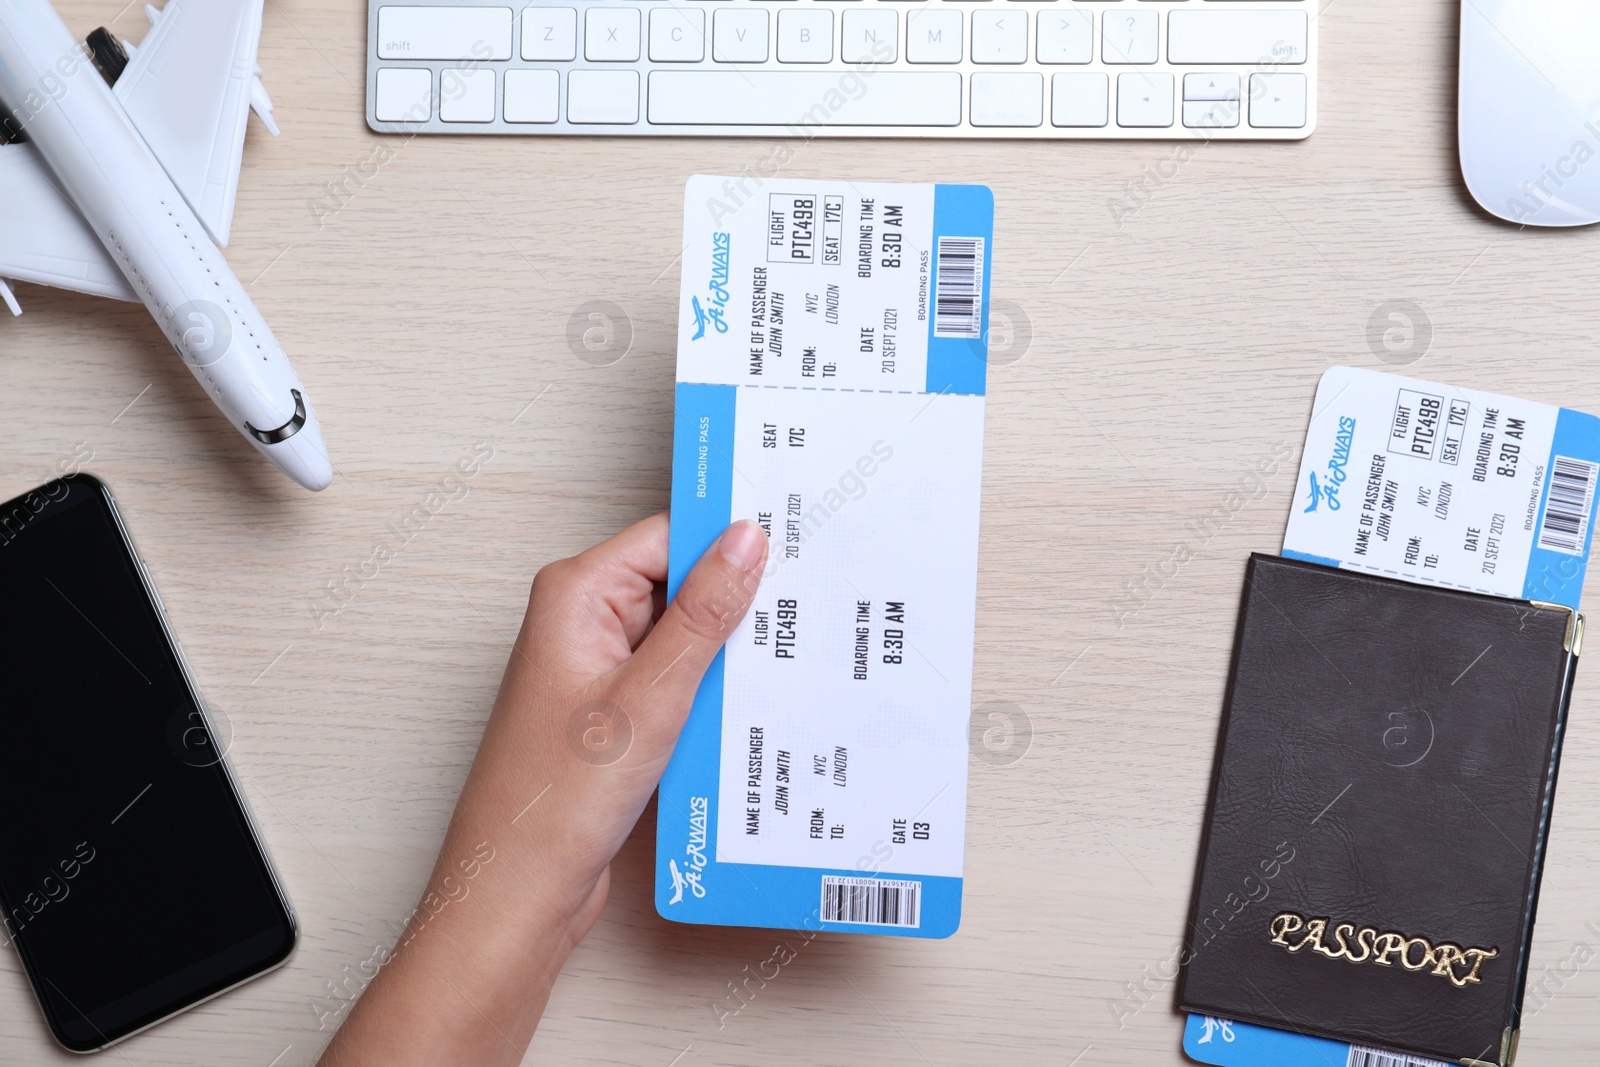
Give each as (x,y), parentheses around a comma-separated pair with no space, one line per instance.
(504,906)
(465,984)
(468,979)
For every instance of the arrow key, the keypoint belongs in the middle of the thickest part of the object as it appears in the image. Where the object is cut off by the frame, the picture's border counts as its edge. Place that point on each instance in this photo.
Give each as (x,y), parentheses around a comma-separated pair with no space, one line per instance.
(1144,99)
(1278,101)
(1211,114)
(1211,87)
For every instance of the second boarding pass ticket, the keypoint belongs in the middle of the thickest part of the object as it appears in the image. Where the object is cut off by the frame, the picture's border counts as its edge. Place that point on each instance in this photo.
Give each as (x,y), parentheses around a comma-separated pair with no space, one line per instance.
(1448,486)
(831,373)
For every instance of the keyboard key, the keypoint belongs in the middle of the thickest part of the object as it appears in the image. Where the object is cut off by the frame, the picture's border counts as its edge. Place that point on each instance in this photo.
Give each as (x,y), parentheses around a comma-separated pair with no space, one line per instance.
(677,34)
(933,36)
(1007,99)
(444,32)
(533,96)
(1066,36)
(466,95)
(1278,101)
(870,36)
(805,35)
(1129,36)
(611,35)
(802,99)
(1211,114)
(1000,36)
(739,35)
(1079,99)
(404,95)
(1144,99)
(609,97)
(550,34)
(1235,37)
(1212,86)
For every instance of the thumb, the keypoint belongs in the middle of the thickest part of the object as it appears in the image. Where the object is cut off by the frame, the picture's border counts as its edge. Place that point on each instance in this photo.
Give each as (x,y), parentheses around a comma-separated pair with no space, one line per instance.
(665,670)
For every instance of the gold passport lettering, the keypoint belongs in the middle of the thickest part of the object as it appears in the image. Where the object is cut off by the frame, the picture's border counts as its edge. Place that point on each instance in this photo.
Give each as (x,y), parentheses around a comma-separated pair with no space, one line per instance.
(1344,942)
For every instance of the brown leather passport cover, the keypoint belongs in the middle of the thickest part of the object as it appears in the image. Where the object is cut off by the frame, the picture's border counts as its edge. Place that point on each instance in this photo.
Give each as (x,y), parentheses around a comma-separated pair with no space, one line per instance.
(1379,809)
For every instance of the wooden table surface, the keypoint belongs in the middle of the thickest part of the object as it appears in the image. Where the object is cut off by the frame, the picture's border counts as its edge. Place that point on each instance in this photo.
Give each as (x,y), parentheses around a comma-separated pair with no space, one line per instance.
(1168,307)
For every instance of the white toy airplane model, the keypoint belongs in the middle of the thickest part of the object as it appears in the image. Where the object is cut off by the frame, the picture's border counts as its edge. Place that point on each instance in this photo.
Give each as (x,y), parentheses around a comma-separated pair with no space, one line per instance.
(120,183)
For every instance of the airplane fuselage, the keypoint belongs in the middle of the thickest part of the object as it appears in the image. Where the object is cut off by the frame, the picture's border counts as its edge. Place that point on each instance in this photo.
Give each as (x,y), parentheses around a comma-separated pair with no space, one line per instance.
(52,92)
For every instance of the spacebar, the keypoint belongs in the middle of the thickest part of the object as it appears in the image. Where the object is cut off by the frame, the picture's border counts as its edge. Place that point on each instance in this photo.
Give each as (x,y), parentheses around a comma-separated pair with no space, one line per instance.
(804,98)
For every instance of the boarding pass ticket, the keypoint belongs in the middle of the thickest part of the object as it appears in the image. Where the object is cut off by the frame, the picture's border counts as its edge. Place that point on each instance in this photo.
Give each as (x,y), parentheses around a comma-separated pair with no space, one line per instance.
(1437,485)
(1447,486)
(831,375)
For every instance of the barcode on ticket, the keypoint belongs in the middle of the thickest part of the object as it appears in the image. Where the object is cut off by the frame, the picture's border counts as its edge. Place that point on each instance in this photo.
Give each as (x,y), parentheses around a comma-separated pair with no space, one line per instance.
(871,901)
(958,288)
(1371,1057)
(1565,525)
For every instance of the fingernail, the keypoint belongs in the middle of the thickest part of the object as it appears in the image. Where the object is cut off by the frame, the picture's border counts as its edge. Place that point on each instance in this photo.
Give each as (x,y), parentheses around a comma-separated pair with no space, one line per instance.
(743,544)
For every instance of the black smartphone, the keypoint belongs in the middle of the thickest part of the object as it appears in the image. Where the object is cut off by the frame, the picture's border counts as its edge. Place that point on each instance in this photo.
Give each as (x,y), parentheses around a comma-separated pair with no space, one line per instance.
(132,881)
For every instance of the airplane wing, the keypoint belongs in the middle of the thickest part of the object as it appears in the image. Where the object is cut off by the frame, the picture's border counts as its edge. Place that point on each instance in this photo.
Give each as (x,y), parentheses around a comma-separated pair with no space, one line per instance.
(43,239)
(189,87)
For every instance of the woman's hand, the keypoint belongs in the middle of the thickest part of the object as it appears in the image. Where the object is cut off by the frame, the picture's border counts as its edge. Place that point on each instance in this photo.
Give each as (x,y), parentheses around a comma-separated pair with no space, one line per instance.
(597,688)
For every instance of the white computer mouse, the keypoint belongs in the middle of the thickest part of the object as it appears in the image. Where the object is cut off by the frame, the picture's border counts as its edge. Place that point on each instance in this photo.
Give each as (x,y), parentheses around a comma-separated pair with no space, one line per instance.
(1529,121)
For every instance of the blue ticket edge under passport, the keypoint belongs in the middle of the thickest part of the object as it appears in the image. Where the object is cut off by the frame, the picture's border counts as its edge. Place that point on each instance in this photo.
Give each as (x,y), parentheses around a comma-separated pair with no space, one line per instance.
(1229,1044)
(752,894)
(1552,577)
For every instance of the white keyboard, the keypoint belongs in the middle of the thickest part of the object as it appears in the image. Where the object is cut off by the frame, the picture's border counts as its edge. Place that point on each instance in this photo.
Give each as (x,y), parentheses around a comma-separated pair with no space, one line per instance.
(1231,69)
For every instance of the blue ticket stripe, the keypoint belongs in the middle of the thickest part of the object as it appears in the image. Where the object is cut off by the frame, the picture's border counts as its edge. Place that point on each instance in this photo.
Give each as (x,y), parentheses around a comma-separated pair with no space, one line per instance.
(1326,561)
(1230,1044)
(686,815)
(702,474)
(1557,577)
(960,364)
(702,505)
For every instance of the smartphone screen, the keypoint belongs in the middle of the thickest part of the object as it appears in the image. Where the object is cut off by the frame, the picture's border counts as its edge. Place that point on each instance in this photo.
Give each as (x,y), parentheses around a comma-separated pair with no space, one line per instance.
(131,880)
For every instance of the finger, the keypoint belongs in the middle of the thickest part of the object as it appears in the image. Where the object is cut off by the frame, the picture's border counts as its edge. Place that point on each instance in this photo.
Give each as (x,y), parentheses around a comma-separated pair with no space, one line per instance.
(666,670)
(620,573)
(640,549)
(626,569)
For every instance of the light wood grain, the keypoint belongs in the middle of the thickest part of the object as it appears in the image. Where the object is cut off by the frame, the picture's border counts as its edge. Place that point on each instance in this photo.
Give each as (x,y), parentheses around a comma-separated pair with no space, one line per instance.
(1165,356)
